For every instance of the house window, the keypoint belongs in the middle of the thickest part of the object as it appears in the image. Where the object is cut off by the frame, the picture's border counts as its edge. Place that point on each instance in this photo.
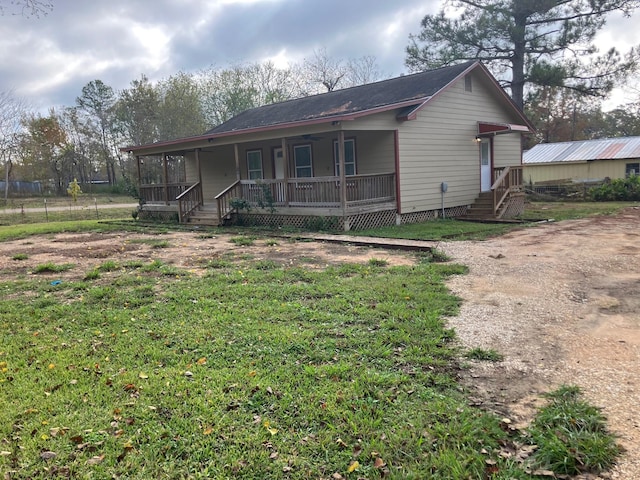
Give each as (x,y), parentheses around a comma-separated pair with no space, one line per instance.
(349,157)
(632,169)
(303,161)
(254,164)
(468,86)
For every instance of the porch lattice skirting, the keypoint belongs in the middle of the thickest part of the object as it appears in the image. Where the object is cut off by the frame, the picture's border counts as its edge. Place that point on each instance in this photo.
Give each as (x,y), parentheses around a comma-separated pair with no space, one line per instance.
(362,221)
(353,222)
(514,206)
(418,217)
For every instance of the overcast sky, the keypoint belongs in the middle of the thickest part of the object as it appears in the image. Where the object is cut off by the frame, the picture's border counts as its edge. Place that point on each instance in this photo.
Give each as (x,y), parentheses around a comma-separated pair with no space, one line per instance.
(48,60)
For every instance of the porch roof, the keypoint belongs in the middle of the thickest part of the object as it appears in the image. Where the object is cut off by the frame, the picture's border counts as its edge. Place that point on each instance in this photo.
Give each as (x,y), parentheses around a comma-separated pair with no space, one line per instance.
(408,94)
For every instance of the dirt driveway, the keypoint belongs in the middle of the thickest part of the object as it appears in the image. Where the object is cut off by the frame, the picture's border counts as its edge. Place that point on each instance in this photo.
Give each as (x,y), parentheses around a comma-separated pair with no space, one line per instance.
(561,301)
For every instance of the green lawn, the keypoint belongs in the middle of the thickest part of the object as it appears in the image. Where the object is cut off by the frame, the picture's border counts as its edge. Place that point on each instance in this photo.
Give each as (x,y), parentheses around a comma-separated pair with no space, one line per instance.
(252,370)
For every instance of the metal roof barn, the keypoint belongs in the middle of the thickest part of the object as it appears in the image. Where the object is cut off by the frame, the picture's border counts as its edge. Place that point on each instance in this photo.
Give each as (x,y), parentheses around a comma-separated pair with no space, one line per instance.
(583,151)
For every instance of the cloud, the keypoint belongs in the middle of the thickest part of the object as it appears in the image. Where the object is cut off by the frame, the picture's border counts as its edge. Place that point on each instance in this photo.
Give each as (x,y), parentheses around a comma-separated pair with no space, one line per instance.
(49,59)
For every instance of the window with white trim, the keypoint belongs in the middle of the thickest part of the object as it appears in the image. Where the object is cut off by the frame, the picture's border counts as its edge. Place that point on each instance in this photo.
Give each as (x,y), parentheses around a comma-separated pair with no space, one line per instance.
(303,161)
(349,157)
(254,164)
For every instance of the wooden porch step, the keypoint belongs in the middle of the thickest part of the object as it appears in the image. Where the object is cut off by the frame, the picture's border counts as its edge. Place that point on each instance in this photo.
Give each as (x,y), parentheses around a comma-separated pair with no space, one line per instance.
(205,215)
(482,207)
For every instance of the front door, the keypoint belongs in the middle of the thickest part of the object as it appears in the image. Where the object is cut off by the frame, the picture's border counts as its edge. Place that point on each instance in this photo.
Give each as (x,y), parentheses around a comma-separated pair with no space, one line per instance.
(485,165)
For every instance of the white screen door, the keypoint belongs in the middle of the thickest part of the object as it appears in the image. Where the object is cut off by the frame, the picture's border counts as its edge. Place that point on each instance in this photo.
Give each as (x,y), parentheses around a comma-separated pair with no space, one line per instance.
(278,163)
(485,165)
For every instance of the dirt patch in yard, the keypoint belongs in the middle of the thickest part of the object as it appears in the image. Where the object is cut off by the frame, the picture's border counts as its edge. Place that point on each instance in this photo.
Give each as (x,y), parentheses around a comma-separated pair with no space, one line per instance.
(560,301)
(186,250)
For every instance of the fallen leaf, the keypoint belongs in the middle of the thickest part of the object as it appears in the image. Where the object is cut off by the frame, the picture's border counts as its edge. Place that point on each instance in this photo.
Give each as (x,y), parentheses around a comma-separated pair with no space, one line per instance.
(340,442)
(52,366)
(337,476)
(543,473)
(354,466)
(379,463)
(357,450)
(48,455)
(252,373)
(273,456)
(188,374)
(143,375)
(95,460)
(4,453)
(272,431)
(208,431)
(202,361)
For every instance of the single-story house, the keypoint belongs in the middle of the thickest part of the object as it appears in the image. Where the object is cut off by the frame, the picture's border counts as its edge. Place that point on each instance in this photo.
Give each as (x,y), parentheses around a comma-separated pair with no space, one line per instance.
(582,161)
(401,150)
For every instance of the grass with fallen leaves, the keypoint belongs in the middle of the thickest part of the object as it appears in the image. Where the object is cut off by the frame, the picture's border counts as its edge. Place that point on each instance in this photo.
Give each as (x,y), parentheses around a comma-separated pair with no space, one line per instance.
(249,370)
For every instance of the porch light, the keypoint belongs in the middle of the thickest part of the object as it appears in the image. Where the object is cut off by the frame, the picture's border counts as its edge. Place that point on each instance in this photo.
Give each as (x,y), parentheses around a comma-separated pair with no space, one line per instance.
(478,139)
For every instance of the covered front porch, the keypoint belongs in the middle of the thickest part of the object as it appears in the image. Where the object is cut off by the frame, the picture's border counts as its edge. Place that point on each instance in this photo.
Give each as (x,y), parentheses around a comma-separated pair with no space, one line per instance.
(214,184)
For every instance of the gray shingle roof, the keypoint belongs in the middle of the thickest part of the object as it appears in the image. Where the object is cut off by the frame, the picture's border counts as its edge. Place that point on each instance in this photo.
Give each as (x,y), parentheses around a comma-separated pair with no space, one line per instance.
(394,91)
(584,150)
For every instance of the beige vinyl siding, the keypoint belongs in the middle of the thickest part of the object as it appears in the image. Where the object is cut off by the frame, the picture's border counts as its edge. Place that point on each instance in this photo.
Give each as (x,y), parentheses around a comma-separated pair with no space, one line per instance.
(507,150)
(218,171)
(375,152)
(440,146)
(579,171)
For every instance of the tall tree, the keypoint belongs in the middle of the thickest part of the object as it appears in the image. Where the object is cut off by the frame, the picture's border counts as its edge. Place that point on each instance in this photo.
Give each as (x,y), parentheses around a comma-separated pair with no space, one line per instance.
(227,92)
(534,43)
(623,121)
(180,108)
(97,103)
(12,109)
(44,149)
(137,111)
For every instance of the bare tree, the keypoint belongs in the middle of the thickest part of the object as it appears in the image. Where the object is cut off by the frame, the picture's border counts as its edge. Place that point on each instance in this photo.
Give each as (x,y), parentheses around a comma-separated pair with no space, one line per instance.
(322,73)
(25,8)
(12,110)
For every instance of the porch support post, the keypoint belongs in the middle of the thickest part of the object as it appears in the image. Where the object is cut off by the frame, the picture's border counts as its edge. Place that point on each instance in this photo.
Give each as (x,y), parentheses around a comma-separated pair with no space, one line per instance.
(166,178)
(343,179)
(139,174)
(237,158)
(198,168)
(285,162)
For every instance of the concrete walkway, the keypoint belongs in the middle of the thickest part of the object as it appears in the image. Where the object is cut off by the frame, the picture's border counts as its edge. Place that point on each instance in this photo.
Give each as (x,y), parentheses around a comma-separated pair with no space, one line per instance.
(375,242)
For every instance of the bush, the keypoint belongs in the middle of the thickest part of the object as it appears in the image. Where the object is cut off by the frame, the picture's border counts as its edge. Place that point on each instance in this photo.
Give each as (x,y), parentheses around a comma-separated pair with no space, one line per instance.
(620,189)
